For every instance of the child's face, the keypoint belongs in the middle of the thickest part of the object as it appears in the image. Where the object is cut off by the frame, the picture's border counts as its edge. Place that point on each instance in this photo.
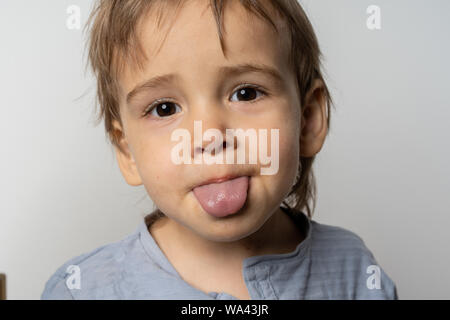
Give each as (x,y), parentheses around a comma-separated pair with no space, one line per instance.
(203,93)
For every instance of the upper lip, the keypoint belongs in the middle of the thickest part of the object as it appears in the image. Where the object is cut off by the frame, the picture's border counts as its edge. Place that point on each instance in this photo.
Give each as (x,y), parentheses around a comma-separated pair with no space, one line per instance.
(219,179)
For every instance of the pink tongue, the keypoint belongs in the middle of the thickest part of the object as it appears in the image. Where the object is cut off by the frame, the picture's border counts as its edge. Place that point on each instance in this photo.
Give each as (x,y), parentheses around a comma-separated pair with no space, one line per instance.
(224,198)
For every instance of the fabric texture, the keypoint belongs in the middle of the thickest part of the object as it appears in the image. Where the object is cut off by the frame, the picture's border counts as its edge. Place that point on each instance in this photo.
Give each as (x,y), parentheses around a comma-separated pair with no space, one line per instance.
(330,263)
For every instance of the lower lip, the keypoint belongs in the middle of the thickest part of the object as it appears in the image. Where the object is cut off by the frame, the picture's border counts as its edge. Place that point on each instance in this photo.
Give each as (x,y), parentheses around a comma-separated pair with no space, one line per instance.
(224,198)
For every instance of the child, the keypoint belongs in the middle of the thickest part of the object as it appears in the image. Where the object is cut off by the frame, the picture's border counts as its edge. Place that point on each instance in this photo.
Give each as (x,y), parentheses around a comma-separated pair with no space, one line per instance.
(220,231)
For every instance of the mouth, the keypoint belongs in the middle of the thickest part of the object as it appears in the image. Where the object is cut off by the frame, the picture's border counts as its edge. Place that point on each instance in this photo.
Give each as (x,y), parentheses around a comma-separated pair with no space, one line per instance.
(222,196)
(217,180)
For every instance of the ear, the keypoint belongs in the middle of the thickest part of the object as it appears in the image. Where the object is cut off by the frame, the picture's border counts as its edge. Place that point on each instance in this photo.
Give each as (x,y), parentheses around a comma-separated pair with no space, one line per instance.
(313,120)
(125,159)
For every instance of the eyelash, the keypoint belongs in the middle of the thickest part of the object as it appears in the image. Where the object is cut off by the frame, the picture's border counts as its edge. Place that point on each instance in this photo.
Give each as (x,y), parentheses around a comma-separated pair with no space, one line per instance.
(245,85)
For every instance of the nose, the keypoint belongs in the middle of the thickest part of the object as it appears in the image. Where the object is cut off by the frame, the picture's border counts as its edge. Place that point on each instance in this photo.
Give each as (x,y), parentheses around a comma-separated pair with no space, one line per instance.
(213,146)
(211,140)
(209,132)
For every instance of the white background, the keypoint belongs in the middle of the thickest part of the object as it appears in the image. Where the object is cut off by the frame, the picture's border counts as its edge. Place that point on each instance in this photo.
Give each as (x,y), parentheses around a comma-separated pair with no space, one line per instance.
(382,173)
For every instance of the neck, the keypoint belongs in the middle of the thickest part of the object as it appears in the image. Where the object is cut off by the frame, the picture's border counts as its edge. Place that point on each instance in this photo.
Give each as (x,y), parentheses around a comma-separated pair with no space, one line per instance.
(278,235)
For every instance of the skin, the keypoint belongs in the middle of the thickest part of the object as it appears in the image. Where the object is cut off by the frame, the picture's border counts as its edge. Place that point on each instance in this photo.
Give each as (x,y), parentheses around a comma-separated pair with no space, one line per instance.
(216,246)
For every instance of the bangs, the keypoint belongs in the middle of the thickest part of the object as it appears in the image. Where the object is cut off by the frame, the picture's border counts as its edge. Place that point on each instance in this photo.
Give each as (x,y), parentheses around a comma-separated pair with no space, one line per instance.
(117,44)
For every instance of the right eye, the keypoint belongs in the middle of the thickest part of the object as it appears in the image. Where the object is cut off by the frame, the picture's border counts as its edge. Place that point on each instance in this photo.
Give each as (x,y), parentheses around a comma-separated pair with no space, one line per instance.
(162,109)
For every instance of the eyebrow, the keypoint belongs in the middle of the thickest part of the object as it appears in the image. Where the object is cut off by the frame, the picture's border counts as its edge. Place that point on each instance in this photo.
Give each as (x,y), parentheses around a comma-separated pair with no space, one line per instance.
(226,71)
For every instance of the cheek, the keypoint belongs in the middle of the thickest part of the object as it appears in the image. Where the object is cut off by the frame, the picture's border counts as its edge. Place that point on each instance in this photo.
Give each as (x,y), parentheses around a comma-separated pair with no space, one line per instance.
(157,169)
(288,161)
(286,121)
(289,144)
(288,152)
(278,185)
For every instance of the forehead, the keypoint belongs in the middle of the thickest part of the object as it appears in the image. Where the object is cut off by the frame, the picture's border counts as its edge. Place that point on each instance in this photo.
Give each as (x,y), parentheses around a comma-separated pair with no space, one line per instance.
(185,41)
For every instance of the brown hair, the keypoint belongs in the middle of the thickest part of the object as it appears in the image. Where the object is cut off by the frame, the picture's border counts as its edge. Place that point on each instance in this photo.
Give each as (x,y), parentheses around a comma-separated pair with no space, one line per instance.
(113,40)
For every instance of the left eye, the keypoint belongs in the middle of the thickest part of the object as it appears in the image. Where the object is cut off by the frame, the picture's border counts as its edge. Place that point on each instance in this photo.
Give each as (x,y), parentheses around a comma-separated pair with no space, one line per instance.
(247,93)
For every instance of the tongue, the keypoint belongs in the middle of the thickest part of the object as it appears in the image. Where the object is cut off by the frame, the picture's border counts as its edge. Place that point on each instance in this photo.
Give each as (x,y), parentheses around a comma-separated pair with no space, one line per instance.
(222,199)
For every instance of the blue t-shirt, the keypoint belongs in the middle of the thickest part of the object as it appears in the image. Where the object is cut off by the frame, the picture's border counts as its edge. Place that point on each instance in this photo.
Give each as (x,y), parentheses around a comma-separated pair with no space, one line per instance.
(330,263)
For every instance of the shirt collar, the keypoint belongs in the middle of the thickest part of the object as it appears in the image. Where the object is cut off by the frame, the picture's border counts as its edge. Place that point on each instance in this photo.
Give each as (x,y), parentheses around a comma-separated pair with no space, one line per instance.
(304,224)
(300,219)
